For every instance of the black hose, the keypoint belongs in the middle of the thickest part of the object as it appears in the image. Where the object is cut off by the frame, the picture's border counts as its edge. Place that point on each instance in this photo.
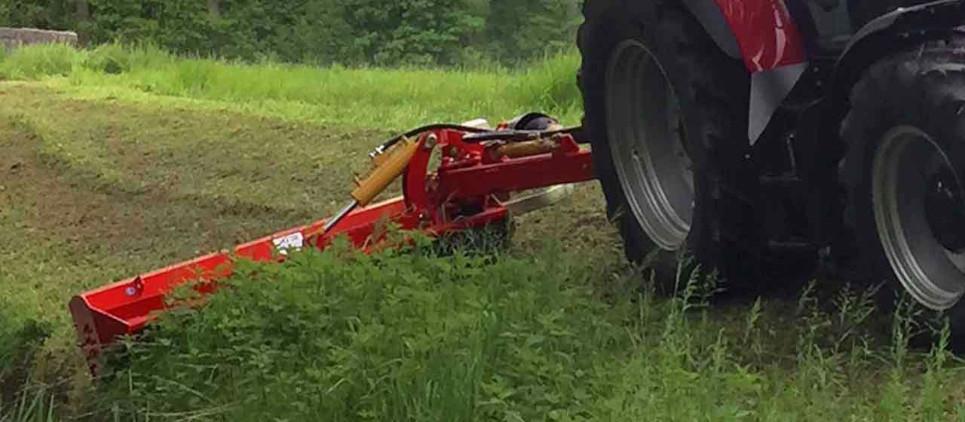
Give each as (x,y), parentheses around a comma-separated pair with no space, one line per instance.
(481,135)
(436,126)
(517,135)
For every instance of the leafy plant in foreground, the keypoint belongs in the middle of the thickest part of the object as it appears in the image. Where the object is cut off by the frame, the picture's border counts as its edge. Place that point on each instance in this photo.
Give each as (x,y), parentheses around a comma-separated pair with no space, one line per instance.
(346,336)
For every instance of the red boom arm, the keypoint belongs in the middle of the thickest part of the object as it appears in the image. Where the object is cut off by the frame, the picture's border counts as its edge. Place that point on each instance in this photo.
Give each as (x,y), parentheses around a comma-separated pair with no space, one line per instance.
(460,195)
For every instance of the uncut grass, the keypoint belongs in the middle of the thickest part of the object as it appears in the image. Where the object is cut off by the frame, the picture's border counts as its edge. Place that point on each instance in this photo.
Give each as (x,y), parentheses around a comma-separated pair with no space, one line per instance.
(343,336)
(351,97)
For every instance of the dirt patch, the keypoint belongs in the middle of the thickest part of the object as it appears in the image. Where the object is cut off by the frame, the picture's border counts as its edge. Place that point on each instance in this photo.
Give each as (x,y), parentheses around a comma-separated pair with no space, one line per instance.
(52,207)
(236,161)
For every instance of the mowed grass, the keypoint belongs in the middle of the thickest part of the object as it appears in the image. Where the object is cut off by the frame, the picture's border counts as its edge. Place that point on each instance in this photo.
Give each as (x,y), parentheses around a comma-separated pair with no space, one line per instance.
(116,161)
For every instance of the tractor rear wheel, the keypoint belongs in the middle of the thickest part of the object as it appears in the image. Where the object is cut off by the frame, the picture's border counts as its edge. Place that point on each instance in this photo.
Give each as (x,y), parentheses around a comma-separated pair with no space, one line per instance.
(666,112)
(904,172)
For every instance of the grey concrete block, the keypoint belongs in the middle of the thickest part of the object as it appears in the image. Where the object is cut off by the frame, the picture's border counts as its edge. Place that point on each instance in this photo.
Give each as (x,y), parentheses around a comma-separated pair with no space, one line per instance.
(15,37)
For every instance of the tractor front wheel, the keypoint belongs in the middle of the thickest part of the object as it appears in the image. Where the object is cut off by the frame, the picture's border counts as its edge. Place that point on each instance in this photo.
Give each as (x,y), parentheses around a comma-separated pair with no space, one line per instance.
(904,173)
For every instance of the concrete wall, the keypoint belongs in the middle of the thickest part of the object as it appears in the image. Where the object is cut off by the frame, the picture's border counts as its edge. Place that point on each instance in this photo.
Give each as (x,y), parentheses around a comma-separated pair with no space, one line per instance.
(15,37)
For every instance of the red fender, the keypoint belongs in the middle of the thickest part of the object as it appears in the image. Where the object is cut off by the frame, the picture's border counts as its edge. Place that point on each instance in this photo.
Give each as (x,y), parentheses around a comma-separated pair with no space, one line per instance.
(764,35)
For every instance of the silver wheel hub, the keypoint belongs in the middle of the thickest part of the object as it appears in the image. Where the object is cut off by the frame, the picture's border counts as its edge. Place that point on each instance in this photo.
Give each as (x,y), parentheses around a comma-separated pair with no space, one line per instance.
(645,131)
(917,207)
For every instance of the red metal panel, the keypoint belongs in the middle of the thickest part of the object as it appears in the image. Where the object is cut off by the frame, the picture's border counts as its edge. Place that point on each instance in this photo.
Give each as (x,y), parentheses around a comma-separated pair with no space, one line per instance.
(125,307)
(766,33)
(519,174)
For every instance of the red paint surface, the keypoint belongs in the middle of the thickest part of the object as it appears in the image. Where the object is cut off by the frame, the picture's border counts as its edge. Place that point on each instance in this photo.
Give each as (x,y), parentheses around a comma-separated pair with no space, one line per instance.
(767,36)
(459,195)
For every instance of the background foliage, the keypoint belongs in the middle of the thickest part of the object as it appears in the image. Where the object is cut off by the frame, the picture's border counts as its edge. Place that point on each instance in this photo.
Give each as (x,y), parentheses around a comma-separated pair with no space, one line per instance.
(352,32)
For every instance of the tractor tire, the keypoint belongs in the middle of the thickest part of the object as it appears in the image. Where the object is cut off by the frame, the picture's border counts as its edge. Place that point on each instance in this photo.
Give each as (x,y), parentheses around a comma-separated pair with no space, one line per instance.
(904,168)
(665,110)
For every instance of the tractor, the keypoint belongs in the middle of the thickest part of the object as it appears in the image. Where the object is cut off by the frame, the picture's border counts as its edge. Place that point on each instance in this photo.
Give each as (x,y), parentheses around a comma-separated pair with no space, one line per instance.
(774,138)
(767,140)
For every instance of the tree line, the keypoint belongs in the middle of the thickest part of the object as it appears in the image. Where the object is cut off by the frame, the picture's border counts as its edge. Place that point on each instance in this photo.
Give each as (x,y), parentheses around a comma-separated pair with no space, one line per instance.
(350,32)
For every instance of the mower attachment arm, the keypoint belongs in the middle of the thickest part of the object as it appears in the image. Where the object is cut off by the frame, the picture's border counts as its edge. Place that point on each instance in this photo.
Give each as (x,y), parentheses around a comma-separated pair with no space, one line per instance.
(464,193)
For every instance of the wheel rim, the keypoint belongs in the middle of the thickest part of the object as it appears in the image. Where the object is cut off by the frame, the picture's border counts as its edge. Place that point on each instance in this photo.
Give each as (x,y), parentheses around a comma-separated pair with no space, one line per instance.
(918,206)
(645,132)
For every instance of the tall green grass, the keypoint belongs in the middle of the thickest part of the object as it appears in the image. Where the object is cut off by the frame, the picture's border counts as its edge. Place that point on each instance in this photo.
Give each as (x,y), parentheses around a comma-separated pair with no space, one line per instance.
(21,337)
(341,336)
(40,62)
(361,97)
(31,404)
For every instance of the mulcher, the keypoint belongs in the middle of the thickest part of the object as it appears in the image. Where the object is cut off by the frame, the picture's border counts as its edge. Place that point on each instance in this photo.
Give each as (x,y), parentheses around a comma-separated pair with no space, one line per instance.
(767,139)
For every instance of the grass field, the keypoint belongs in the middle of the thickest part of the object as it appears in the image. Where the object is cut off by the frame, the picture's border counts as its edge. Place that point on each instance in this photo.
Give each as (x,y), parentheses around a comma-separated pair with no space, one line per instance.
(117,161)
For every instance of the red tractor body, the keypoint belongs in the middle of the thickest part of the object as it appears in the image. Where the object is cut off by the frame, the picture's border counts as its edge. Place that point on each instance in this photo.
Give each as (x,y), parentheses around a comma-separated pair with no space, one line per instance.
(766,33)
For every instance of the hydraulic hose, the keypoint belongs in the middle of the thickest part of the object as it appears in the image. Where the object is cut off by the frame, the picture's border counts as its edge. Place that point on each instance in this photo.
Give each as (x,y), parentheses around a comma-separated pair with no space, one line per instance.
(517,135)
(436,126)
(480,135)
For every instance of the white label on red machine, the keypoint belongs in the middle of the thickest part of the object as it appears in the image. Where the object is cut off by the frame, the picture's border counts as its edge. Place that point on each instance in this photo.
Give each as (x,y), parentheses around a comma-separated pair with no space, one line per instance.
(294,241)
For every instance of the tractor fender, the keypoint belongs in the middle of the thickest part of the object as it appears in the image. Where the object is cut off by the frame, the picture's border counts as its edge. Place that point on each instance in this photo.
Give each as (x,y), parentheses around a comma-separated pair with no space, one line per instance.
(897,31)
(765,36)
(709,15)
